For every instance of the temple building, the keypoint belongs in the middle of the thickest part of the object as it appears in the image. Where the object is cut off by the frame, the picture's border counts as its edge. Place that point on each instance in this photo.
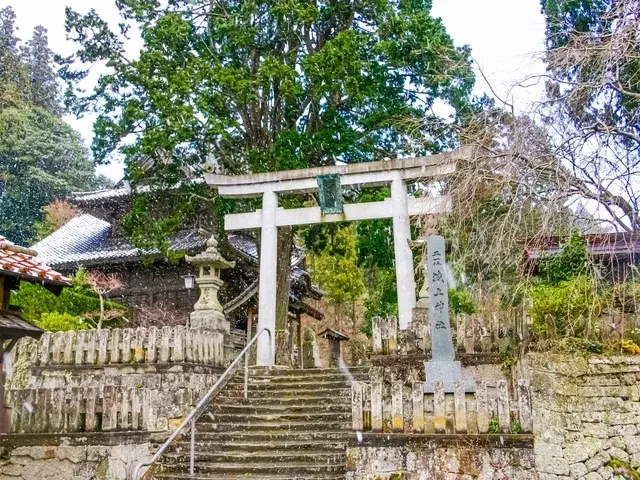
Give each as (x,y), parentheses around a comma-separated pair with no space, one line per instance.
(154,288)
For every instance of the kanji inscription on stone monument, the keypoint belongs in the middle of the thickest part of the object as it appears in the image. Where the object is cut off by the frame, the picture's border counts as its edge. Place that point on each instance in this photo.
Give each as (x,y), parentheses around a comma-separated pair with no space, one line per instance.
(441,340)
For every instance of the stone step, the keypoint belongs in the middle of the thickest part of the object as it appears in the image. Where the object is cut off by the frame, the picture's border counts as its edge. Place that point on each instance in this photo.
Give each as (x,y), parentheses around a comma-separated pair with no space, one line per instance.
(235,418)
(289,385)
(325,377)
(242,476)
(280,408)
(295,372)
(337,436)
(291,470)
(274,426)
(319,457)
(282,402)
(236,444)
(294,425)
(287,393)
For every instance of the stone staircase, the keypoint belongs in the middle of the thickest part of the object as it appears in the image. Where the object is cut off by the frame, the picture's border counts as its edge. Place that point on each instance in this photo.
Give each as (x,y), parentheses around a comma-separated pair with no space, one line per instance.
(294,425)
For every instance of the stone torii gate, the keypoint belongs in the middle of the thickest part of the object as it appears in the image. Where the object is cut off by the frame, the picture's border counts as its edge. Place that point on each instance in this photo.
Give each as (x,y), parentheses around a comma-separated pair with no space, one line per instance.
(400,207)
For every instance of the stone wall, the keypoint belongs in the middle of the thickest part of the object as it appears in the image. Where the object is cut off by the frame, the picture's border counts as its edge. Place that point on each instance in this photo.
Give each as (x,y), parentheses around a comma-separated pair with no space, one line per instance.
(383,457)
(112,380)
(88,457)
(586,416)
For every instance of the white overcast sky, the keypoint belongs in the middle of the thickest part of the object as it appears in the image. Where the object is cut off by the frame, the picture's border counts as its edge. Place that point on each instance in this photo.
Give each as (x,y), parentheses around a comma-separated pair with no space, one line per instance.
(506,37)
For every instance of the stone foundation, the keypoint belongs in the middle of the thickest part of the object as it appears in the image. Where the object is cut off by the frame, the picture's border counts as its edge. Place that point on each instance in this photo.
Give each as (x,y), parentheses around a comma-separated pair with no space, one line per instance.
(422,457)
(97,456)
(586,416)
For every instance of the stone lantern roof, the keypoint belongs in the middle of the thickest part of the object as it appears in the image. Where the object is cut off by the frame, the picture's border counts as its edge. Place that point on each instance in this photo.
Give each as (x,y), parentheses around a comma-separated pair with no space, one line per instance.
(211,256)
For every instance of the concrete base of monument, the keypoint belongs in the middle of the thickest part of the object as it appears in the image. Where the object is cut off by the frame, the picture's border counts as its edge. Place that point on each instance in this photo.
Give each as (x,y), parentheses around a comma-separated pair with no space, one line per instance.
(209,320)
(447,372)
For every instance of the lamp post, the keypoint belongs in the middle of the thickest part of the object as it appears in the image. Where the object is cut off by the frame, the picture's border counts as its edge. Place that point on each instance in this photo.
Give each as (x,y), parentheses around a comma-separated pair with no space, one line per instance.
(208,314)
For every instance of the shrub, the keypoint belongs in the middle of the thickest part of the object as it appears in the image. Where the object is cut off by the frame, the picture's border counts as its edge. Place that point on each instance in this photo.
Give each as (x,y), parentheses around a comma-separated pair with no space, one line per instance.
(570,262)
(462,301)
(569,308)
(381,299)
(76,302)
(61,322)
(626,297)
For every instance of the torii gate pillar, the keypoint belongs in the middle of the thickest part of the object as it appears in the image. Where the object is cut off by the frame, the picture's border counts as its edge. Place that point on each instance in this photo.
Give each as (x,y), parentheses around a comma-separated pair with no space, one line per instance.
(405,277)
(268,274)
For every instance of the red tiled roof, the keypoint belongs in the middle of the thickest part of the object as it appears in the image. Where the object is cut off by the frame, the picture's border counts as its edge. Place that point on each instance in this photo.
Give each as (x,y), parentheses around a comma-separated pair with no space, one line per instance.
(22,262)
(620,243)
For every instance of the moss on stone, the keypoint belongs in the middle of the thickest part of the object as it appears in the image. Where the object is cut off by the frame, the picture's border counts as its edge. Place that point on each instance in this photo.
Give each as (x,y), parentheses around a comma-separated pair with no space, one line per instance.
(102,470)
(624,469)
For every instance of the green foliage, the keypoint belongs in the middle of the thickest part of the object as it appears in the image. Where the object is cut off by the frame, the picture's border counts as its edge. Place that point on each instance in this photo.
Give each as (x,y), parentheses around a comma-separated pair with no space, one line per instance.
(566,300)
(569,308)
(75,308)
(375,237)
(381,299)
(626,296)
(569,263)
(462,301)
(508,352)
(41,160)
(494,426)
(575,346)
(565,17)
(515,428)
(27,72)
(61,322)
(336,270)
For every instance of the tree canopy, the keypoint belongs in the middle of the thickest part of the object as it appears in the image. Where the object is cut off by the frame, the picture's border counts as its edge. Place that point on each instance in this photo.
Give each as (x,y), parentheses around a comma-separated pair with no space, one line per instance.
(268,85)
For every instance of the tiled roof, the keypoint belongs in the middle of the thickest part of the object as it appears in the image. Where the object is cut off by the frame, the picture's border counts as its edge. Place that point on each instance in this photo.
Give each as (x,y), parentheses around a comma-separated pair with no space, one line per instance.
(101,195)
(79,235)
(87,240)
(11,325)
(122,190)
(620,243)
(22,262)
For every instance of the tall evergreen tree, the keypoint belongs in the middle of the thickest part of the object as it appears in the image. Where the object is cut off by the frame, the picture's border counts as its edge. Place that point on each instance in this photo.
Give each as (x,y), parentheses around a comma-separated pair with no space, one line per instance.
(42,159)
(43,78)
(14,83)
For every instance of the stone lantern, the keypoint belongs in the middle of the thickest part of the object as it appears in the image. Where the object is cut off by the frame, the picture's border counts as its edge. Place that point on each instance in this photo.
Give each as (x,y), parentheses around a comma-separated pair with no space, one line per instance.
(207,314)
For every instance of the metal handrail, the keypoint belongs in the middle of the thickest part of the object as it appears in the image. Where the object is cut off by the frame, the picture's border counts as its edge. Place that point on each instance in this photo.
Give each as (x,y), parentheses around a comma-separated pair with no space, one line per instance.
(197,410)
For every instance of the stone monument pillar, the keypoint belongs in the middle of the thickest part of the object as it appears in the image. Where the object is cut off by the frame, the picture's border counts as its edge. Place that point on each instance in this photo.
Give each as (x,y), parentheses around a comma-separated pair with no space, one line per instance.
(442,367)
(207,314)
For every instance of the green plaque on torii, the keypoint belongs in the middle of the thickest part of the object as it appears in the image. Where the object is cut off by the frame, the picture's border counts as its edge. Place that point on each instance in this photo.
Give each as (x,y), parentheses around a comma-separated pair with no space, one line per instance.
(330,194)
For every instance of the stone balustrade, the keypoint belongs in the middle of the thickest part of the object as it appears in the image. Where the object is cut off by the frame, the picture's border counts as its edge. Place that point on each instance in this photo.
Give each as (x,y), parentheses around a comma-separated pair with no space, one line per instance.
(103,409)
(405,408)
(472,334)
(127,346)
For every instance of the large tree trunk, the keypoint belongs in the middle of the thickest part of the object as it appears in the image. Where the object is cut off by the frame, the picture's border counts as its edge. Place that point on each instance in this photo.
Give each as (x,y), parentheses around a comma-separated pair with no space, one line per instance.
(283,279)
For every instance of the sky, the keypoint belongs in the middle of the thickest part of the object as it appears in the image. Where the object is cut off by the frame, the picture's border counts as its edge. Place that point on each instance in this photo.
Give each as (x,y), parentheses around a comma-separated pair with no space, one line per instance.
(506,38)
